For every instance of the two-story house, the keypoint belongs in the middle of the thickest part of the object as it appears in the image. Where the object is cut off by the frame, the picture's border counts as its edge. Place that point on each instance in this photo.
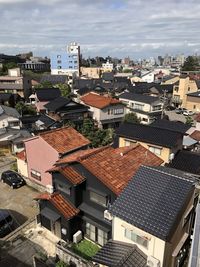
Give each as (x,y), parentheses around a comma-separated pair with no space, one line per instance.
(193,101)
(16,83)
(163,142)
(9,117)
(43,96)
(89,181)
(106,111)
(146,107)
(64,109)
(155,212)
(184,86)
(43,150)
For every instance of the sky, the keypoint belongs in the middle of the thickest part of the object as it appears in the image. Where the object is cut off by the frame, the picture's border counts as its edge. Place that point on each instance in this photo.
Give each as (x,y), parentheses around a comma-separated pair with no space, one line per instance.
(117,28)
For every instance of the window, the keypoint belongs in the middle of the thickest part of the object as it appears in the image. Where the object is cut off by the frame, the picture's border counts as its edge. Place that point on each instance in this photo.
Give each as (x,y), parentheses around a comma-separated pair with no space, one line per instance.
(194,107)
(36,175)
(58,56)
(14,123)
(155,150)
(59,67)
(108,111)
(129,142)
(70,67)
(118,111)
(140,240)
(138,106)
(188,89)
(96,234)
(97,198)
(59,62)
(158,107)
(20,145)
(145,119)
(64,189)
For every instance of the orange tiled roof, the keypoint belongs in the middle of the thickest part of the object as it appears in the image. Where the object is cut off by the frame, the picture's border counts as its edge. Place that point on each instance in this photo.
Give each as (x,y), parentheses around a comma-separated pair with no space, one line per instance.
(99,101)
(21,155)
(76,156)
(195,135)
(61,204)
(115,167)
(65,139)
(72,175)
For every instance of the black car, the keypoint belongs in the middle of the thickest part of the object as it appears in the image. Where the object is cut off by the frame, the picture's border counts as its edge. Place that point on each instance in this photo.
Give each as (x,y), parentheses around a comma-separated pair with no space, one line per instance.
(13,179)
(6,223)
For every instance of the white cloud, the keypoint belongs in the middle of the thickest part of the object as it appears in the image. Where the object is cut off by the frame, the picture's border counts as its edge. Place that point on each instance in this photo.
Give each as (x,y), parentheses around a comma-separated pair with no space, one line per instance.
(115,27)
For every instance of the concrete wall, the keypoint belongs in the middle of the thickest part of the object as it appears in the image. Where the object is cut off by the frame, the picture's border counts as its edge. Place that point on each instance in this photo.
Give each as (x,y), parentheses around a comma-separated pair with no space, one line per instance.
(5,119)
(22,167)
(94,72)
(40,157)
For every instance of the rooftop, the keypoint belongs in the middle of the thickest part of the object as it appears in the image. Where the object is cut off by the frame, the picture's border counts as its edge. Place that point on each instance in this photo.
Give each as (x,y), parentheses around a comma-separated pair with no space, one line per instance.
(139,98)
(195,94)
(65,140)
(195,135)
(187,161)
(149,134)
(99,101)
(154,200)
(61,204)
(175,126)
(117,254)
(9,111)
(47,94)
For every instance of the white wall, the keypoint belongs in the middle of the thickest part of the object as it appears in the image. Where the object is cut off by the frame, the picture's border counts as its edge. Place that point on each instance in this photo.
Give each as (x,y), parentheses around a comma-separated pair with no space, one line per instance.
(4,121)
(156,246)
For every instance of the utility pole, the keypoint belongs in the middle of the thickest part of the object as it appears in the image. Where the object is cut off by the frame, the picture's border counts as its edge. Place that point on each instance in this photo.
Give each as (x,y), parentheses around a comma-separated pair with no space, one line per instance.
(163,107)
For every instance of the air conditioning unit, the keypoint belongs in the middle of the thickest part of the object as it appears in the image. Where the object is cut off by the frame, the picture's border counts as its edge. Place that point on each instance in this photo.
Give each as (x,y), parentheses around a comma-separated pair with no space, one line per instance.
(171,157)
(77,237)
(107,215)
(153,262)
(49,188)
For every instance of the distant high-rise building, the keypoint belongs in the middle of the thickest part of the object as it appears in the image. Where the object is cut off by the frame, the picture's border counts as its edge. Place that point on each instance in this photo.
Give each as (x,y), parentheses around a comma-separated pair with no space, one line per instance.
(67,62)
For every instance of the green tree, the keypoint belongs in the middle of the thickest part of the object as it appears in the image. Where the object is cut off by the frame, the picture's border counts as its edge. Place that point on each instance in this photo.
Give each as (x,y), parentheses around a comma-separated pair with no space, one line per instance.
(24,109)
(64,88)
(98,137)
(191,64)
(61,264)
(45,84)
(189,121)
(131,117)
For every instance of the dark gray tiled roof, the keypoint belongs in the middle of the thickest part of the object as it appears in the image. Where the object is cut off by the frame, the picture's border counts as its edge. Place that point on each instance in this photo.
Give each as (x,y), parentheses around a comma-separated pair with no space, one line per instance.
(10,86)
(57,103)
(187,161)
(9,111)
(54,79)
(154,200)
(118,254)
(138,97)
(47,94)
(149,134)
(171,125)
(195,94)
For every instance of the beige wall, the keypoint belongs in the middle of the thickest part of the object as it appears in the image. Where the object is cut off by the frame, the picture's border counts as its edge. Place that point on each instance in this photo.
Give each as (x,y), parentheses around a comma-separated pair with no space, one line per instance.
(193,103)
(91,72)
(186,85)
(165,152)
(22,167)
(156,246)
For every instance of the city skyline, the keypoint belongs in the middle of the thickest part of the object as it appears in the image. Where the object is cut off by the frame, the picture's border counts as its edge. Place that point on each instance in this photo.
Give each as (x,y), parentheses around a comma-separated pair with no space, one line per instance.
(137,29)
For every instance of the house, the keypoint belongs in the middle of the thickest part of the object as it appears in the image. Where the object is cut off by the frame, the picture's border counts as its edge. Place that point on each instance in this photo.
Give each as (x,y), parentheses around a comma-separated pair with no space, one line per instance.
(55,79)
(43,150)
(148,76)
(184,86)
(64,109)
(155,212)
(9,117)
(146,107)
(9,99)
(193,101)
(16,83)
(164,143)
(106,111)
(89,181)
(12,139)
(175,126)
(91,72)
(43,96)
(34,123)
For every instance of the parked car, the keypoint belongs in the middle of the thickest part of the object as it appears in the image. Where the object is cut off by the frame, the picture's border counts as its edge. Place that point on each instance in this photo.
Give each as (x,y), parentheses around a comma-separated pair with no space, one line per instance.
(180,110)
(6,223)
(13,179)
(188,113)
